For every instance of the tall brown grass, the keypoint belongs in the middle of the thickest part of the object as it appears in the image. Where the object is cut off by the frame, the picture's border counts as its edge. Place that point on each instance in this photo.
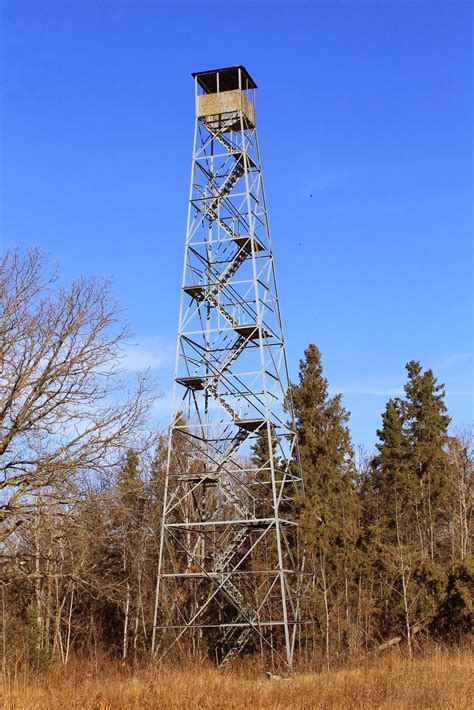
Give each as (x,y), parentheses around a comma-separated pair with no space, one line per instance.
(443,679)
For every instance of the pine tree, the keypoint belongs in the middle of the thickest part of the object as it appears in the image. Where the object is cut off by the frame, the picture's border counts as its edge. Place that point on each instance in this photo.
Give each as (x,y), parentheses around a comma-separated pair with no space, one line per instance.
(325,451)
(426,424)
(329,513)
(455,617)
(392,480)
(409,486)
(411,468)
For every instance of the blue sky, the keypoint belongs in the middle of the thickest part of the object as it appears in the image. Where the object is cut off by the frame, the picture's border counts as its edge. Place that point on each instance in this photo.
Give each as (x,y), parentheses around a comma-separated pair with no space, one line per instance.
(364,115)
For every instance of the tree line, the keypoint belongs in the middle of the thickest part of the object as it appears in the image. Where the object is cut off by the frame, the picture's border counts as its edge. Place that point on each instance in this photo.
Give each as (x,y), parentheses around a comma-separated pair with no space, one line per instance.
(388,533)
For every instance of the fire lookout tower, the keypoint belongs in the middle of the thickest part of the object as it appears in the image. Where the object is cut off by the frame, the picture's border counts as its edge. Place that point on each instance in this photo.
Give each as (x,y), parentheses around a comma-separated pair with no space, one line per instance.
(229,568)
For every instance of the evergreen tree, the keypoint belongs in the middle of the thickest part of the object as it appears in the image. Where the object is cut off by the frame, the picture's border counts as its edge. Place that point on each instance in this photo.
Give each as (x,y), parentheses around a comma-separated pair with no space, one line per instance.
(409,487)
(392,480)
(329,512)
(325,451)
(455,617)
(426,424)
(410,471)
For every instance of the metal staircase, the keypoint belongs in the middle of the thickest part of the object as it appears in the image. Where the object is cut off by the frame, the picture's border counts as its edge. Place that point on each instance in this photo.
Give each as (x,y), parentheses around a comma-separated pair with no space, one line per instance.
(223,558)
(231,180)
(231,362)
(238,645)
(232,646)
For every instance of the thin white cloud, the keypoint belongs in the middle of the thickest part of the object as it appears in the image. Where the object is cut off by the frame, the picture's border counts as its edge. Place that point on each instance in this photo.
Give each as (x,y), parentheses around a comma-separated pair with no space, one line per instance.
(452,360)
(148,353)
(387,389)
(393,387)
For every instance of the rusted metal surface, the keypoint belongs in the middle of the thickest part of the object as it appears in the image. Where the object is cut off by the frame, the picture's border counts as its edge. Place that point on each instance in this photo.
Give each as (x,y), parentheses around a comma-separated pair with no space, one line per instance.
(224,79)
(225,102)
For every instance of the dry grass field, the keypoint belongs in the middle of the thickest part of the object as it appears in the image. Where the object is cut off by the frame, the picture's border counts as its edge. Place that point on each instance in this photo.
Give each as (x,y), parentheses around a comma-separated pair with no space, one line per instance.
(439,680)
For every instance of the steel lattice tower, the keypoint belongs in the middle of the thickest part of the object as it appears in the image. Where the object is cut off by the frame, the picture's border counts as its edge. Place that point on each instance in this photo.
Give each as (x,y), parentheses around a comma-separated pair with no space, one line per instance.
(229,569)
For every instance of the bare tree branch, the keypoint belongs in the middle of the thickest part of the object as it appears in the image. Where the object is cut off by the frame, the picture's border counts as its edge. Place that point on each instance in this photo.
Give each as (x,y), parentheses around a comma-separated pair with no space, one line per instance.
(64,410)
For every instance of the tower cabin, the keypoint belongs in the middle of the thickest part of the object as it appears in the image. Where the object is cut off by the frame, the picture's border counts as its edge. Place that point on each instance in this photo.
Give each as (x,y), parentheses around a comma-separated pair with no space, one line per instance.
(225,98)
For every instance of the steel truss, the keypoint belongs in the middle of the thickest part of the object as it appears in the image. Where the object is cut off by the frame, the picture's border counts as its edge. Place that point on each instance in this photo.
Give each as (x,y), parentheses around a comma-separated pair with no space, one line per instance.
(229,571)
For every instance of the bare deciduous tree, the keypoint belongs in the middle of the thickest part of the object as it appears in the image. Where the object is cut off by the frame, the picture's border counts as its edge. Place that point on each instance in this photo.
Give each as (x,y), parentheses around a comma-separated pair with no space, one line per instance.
(461,477)
(63,407)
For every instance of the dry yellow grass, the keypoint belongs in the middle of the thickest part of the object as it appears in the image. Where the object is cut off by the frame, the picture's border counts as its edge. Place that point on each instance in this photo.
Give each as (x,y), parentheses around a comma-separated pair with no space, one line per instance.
(442,680)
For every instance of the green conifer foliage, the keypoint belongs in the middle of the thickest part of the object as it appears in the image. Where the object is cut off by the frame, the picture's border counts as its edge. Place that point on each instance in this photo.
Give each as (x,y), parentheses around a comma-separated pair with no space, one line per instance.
(326,454)
(455,617)
(392,479)
(329,512)
(410,487)
(411,468)
(426,424)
